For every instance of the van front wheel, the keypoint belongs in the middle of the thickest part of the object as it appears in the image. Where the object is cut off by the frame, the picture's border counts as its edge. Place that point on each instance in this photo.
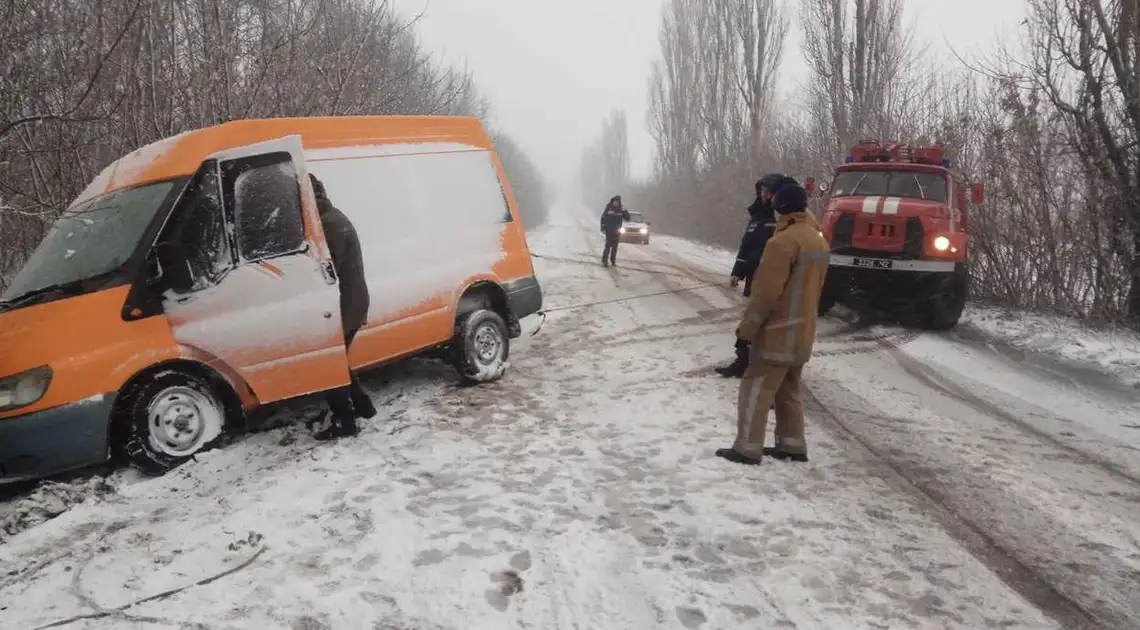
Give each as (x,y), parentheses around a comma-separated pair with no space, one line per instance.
(481,347)
(173,416)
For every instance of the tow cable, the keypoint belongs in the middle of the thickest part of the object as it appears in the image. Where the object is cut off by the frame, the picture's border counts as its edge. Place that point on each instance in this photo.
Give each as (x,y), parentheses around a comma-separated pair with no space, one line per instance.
(574,307)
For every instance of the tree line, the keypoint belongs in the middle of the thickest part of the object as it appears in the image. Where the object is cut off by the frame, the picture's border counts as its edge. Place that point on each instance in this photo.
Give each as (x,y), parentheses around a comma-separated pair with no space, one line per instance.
(1053,132)
(83,83)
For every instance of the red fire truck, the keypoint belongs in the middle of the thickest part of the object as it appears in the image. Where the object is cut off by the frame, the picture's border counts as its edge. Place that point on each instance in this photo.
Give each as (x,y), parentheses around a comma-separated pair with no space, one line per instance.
(897,218)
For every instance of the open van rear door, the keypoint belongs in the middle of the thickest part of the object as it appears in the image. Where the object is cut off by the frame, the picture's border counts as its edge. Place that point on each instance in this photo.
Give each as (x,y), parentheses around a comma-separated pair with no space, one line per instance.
(266,302)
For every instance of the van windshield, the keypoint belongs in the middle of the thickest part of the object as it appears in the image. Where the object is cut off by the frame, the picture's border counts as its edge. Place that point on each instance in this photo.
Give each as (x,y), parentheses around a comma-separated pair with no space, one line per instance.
(911,184)
(89,240)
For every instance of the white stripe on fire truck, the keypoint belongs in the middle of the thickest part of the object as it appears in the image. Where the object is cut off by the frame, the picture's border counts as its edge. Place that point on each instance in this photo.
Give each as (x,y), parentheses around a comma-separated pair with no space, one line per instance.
(871,204)
(891,205)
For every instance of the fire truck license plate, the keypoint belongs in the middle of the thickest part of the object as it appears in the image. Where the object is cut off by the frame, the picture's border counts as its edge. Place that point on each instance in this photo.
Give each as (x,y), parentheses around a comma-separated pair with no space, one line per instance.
(874,263)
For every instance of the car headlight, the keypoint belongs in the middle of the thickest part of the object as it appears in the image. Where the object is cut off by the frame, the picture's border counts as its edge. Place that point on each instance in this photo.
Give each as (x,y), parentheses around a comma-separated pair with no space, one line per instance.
(25,388)
(621,230)
(644,230)
(942,243)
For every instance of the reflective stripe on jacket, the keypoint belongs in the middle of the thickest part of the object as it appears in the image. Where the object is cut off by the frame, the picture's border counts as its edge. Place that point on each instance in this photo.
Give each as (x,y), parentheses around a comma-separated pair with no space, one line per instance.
(782,311)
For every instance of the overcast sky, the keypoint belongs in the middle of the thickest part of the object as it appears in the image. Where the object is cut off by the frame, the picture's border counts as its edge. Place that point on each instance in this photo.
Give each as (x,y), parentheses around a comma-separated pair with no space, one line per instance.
(554,69)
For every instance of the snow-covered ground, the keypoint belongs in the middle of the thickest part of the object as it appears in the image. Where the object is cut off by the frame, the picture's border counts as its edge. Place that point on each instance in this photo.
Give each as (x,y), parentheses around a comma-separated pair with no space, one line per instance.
(951,486)
(1114,351)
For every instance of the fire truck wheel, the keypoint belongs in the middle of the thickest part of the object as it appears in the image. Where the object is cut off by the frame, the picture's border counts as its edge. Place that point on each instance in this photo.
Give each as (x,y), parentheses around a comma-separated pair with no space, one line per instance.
(827,299)
(826,303)
(945,307)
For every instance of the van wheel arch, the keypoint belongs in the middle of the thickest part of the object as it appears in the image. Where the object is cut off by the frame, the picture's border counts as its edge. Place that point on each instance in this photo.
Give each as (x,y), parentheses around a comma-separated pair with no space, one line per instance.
(120,428)
(482,295)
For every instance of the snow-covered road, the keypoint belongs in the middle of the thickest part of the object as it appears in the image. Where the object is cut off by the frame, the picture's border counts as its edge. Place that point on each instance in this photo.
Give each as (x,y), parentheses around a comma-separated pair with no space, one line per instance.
(950,487)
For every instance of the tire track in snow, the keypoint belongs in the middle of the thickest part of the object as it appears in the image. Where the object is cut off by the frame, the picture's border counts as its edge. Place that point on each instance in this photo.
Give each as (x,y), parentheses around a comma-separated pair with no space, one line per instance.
(908,480)
(937,381)
(1050,540)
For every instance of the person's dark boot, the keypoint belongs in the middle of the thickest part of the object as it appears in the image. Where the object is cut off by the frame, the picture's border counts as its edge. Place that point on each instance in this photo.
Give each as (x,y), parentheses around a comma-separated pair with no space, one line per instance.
(736,458)
(324,428)
(341,417)
(362,402)
(348,427)
(735,369)
(772,451)
(337,428)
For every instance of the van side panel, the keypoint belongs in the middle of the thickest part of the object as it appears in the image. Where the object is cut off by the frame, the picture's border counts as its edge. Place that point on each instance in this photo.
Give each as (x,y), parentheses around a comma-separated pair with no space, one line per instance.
(430,217)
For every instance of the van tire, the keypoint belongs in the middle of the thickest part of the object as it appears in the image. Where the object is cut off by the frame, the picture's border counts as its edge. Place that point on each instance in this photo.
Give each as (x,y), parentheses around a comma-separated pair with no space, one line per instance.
(172,416)
(481,347)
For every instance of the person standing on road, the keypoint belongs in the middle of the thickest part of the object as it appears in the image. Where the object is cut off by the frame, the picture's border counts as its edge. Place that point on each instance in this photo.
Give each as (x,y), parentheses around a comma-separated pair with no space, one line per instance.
(612,219)
(780,324)
(349,402)
(761,225)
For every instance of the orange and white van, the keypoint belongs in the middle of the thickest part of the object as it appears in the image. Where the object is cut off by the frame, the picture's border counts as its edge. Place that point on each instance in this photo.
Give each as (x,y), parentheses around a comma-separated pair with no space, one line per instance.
(191,283)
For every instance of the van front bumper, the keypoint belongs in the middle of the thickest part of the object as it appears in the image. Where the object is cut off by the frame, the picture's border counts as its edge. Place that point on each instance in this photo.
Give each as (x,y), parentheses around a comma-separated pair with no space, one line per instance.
(56,440)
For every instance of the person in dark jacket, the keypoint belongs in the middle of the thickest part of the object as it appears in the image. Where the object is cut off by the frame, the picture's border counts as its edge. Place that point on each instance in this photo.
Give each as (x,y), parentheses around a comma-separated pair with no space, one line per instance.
(345,403)
(761,226)
(613,217)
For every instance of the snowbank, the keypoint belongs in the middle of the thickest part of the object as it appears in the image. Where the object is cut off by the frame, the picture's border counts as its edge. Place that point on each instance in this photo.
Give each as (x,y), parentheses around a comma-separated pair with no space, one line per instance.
(1114,351)
(48,501)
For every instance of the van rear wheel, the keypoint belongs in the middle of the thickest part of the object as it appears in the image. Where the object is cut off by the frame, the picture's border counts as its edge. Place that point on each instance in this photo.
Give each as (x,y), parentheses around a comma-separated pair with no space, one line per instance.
(172,417)
(481,347)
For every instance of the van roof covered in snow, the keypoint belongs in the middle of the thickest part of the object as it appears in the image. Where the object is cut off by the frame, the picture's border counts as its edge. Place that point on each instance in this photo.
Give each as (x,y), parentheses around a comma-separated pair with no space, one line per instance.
(181,155)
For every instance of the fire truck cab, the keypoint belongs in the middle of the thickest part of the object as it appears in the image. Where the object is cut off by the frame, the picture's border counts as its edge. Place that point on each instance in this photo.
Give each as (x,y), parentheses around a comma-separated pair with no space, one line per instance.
(897,218)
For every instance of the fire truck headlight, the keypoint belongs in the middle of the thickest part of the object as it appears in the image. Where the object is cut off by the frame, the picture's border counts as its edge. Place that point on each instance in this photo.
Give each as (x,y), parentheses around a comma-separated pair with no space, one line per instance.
(942,243)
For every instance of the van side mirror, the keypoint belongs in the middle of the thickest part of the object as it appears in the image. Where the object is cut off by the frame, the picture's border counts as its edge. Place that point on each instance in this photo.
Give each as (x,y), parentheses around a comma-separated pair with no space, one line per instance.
(978,191)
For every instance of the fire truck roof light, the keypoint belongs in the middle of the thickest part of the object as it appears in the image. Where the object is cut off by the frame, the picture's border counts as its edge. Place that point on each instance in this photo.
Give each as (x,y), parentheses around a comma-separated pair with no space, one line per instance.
(945,162)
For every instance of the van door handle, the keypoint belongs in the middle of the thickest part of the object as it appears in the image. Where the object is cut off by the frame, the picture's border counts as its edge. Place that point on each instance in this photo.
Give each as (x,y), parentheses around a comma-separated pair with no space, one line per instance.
(329,272)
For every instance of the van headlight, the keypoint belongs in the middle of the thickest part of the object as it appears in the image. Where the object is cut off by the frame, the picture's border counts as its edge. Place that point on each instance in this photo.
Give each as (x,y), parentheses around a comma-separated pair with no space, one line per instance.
(25,388)
(942,243)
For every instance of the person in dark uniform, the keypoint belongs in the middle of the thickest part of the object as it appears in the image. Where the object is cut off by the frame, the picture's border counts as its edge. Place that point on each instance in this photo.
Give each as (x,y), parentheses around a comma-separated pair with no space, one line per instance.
(761,226)
(613,217)
(347,403)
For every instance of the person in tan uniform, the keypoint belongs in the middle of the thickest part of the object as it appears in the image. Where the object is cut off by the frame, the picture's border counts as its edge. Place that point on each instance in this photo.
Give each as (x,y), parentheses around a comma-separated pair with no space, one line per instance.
(780,324)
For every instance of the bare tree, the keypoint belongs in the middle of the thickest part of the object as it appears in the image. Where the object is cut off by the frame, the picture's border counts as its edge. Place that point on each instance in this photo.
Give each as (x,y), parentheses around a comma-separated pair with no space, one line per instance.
(604,170)
(1086,59)
(525,181)
(860,61)
(84,82)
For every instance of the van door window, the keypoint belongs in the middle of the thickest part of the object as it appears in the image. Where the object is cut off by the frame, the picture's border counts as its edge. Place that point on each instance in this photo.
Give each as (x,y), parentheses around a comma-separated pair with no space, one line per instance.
(266,200)
(195,250)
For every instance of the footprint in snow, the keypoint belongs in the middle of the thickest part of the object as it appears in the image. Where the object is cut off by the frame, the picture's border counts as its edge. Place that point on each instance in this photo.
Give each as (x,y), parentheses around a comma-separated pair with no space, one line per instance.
(691,617)
(508,584)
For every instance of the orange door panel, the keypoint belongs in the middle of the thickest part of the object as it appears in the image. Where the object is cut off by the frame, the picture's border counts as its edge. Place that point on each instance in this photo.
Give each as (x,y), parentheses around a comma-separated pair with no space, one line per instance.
(275,316)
